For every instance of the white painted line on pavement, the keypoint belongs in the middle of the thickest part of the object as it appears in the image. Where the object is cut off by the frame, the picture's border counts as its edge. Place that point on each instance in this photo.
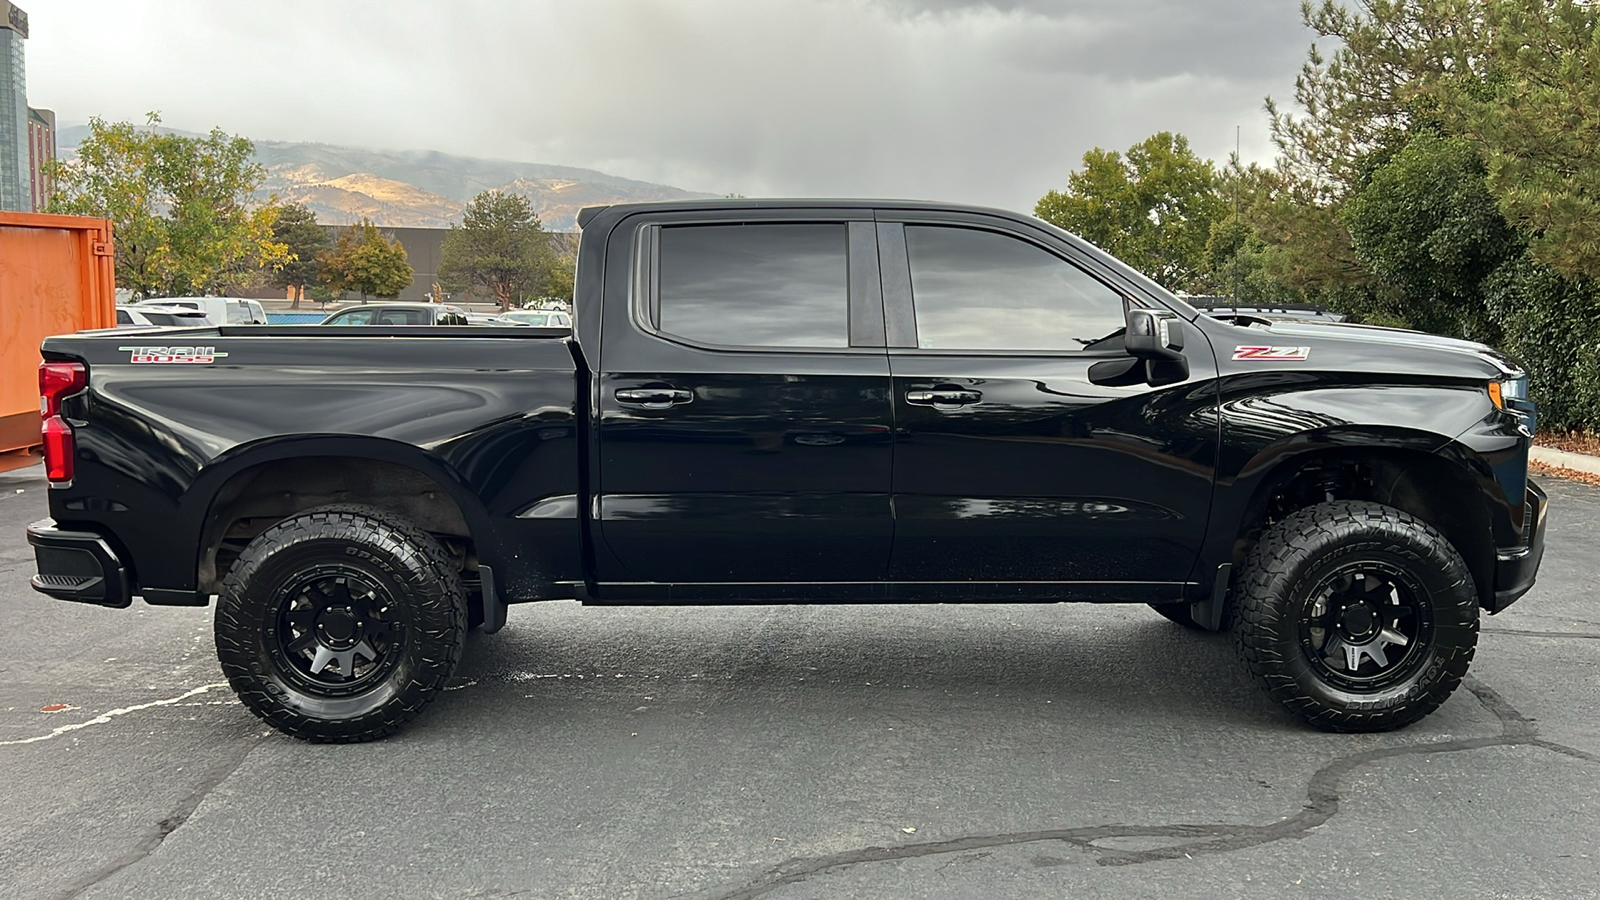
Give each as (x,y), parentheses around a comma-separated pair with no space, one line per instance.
(105,717)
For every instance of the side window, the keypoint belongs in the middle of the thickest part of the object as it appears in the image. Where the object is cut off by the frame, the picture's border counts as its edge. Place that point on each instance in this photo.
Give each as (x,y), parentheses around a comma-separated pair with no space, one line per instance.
(981,290)
(238,313)
(761,285)
(123,318)
(258,315)
(354,317)
(403,316)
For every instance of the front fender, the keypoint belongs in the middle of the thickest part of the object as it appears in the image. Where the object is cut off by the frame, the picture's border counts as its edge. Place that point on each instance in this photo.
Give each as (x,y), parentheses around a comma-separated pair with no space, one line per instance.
(1274,424)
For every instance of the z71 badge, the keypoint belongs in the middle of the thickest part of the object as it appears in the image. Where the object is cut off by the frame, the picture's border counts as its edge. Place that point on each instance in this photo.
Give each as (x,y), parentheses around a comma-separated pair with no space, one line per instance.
(1271,354)
(194,356)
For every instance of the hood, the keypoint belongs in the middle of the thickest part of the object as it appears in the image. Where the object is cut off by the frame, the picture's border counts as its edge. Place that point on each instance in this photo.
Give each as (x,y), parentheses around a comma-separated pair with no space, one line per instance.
(1396,337)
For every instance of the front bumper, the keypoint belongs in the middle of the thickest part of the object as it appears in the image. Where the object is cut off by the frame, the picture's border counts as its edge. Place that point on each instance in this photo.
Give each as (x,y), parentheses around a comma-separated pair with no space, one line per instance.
(1516,567)
(78,566)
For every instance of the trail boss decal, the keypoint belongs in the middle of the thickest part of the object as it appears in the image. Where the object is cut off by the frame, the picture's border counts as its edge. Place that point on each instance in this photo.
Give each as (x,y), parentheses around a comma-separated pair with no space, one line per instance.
(1271,354)
(193,356)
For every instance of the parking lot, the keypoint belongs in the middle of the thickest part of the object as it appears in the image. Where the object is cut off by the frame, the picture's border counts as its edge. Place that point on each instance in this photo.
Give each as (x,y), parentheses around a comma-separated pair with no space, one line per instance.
(799,752)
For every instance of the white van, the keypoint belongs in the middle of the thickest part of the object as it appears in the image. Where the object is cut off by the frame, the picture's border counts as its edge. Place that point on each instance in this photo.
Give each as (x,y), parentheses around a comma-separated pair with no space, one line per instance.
(218,310)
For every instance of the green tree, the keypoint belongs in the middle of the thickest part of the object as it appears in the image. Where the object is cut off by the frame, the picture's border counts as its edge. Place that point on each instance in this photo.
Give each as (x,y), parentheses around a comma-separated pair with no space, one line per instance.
(297,229)
(500,247)
(363,260)
(1153,208)
(185,210)
(1533,106)
(1425,226)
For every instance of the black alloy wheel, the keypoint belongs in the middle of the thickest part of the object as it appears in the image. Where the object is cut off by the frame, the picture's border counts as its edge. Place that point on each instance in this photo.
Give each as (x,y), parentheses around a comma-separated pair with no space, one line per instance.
(1367,627)
(341,623)
(338,629)
(1356,616)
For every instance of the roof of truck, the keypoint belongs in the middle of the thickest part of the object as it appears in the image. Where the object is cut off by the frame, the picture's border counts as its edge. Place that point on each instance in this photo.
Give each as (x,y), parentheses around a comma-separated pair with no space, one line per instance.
(588,213)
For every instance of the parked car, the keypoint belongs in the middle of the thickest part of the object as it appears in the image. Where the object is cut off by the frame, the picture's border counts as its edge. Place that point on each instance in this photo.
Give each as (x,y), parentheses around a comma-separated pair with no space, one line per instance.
(219,310)
(477,318)
(804,401)
(399,314)
(147,315)
(543,318)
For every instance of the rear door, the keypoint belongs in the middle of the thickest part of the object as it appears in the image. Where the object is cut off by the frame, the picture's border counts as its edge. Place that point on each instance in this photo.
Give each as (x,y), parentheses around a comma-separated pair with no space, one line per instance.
(1015,473)
(744,414)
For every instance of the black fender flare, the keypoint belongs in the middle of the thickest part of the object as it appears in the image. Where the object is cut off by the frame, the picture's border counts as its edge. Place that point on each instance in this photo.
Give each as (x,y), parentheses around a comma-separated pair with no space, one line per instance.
(197,506)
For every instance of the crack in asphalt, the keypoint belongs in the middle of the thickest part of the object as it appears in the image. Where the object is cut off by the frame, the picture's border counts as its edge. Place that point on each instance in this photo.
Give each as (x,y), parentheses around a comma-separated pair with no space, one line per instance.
(1322,804)
(219,772)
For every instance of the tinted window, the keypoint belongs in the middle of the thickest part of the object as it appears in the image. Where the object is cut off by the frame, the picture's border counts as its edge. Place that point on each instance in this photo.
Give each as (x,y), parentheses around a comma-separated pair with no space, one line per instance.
(123,318)
(161,318)
(978,290)
(756,285)
(402,317)
(354,317)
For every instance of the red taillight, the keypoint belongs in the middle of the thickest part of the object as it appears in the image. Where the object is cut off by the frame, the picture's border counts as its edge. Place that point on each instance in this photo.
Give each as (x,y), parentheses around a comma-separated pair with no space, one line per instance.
(57,381)
(59,448)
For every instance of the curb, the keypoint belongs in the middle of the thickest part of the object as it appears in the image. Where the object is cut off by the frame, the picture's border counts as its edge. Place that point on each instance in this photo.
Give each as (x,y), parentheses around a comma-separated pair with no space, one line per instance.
(1562,459)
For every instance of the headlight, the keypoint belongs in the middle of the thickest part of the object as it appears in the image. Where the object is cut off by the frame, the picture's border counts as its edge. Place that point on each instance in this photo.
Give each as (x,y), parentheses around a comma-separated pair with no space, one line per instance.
(1508,389)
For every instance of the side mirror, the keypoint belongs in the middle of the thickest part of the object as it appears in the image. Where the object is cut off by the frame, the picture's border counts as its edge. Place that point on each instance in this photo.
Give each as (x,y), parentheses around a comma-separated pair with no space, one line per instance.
(1154,334)
(1155,339)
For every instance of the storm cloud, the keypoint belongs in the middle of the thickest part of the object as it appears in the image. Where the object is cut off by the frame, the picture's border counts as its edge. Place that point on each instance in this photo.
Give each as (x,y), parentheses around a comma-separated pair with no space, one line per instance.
(987,102)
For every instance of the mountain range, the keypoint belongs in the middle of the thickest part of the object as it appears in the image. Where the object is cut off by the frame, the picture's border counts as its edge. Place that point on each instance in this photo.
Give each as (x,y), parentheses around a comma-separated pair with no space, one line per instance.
(422,188)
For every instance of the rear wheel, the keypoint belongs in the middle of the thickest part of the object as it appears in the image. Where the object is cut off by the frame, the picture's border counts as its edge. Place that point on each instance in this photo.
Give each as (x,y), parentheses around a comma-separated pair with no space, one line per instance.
(341,623)
(1356,616)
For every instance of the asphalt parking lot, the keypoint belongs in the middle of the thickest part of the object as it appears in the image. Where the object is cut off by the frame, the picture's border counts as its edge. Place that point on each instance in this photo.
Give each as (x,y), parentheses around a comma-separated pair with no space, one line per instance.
(799,752)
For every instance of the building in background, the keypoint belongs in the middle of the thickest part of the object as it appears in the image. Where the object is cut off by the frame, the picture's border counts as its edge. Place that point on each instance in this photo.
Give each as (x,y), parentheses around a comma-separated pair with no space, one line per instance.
(16,193)
(41,149)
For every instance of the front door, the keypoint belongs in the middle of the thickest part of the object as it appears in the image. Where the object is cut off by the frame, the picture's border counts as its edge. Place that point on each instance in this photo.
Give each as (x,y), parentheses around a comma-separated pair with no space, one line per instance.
(744,406)
(1016,475)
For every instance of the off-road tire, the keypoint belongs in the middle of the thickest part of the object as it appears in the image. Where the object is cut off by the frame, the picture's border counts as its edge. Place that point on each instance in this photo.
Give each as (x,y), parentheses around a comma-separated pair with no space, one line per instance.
(1274,591)
(393,554)
(1177,612)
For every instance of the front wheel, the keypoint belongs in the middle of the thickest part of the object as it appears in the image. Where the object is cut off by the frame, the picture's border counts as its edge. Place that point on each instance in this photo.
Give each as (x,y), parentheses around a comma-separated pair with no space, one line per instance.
(1356,616)
(341,623)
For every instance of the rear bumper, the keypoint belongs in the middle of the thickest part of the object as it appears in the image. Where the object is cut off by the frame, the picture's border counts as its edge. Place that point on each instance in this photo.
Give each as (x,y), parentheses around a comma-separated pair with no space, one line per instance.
(1516,567)
(77,565)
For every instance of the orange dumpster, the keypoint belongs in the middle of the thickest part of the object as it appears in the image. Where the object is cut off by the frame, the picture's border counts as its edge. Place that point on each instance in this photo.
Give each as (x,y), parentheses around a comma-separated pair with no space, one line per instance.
(56,276)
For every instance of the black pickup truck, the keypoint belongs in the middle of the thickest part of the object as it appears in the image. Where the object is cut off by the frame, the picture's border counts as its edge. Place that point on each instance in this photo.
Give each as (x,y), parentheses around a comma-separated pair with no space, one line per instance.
(812,401)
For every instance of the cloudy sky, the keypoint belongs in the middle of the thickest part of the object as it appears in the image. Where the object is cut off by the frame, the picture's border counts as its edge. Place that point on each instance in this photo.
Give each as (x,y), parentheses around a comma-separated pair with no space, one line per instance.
(980,101)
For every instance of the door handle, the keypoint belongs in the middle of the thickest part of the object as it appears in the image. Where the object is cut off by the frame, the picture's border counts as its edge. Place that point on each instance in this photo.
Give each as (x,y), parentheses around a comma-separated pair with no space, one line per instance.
(654,398)
(943,397)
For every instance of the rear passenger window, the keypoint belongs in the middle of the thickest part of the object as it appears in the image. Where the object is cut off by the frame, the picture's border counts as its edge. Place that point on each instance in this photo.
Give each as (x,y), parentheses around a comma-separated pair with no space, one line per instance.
(778,285)
(238,313)
(356,317)
(123,318)
(402,317)
(981,290)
